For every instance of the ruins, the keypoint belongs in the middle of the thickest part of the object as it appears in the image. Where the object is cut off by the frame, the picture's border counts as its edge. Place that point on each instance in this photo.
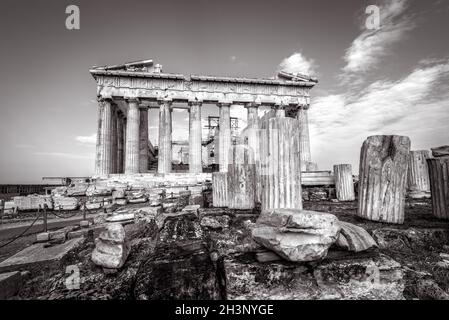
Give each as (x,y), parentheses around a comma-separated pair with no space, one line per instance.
(259,221)
(126,92)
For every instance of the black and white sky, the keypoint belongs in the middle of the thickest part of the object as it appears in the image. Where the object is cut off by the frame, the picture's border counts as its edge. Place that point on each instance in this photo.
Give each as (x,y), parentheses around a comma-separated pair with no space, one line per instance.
(393,80)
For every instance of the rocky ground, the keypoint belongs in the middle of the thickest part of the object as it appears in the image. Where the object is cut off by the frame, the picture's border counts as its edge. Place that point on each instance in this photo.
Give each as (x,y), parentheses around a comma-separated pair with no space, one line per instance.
(211,255)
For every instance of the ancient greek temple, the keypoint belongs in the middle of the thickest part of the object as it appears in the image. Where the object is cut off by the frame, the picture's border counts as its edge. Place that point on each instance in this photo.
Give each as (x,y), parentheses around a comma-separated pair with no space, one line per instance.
(126,92)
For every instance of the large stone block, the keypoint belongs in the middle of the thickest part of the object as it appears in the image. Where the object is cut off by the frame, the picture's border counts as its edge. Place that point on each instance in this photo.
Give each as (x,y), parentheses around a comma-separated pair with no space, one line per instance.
(111,247)
(439,184)
(383,176)
(297,235)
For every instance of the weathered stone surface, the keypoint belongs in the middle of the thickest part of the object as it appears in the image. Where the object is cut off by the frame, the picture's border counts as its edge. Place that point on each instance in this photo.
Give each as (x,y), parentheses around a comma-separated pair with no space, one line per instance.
(120,217)
(297,235)
(408,240)
(33,202)
(418,181)
(383,175)
(77,190)
(281,164)
(10,284)
(344,184)
(65,203)
(439,184)
(217,222)
(442,151)
(37,257)
(354,238)
(111,247)
(219,189)
(95,191)
(241,177)
(374,278)
(180,267)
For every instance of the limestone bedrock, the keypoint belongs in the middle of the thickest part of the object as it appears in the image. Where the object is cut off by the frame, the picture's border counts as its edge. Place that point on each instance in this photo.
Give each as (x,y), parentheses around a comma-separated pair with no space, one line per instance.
(297,235)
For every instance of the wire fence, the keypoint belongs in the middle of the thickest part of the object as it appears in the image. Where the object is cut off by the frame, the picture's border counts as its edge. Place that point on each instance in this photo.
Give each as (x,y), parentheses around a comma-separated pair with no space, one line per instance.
(43,211)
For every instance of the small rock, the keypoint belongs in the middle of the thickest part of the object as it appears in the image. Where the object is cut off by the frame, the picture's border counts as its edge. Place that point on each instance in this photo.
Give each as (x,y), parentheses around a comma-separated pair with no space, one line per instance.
(84,223)
(43,237)
(192,208)
(121,217)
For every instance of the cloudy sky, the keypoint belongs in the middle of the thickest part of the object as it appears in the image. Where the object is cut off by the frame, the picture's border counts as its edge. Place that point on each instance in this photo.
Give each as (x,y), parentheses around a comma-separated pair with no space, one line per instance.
(391,80)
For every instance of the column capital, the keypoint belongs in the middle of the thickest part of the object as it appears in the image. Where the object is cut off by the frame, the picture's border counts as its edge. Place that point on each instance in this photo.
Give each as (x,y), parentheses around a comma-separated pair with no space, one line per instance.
(102,99)
(224,103)
(252,105)
(132,100)
(195,102)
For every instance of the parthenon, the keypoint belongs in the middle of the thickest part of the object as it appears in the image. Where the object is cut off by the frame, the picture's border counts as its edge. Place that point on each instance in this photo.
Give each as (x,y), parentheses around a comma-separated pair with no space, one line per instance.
(126,92)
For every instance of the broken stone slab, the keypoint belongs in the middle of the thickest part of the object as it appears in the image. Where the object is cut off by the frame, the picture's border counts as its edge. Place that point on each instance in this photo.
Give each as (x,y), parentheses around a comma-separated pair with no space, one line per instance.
(118,194)
(297,235)
(111,247)
(33,202)
(215,222)
(77,234)
(192,208)
(59,192)
(94,205)
(65,203)
(120,217)
(38,257)
(363,278)
(96,191)
(354,238)
(442,151)
(10,284)
(43,237)
(77,190)
(121,202)
(138,200)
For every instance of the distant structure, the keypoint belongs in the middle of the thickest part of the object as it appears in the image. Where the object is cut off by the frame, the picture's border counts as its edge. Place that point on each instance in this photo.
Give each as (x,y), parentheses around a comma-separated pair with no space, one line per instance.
(126,92)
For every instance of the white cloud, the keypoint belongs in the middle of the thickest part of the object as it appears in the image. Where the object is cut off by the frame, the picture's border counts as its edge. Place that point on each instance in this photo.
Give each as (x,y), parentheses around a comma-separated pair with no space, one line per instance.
(411,106)
(90,140)
(297,63)
(367,50)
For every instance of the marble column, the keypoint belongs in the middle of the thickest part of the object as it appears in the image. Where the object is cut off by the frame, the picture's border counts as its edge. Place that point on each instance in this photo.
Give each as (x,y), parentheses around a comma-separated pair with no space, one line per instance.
(279,111)
(120,143)
(143,141)
(114,140)
(104,140)
(304,139)
(252,137)
(253,116)
(195,165)
(165,137)
(224,136)
(132,137)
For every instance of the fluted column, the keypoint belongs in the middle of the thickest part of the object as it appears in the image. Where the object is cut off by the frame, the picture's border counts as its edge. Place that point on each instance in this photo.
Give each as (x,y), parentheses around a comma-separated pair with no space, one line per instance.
(304,138)
(281,177)
(224,135)
(120,143)
(132,137)
(344,184)
(104,141)
(279,111)
(251,134)
(439,185)
(195,136)
(143,141)
(114,139)
(418,182)
(165,138)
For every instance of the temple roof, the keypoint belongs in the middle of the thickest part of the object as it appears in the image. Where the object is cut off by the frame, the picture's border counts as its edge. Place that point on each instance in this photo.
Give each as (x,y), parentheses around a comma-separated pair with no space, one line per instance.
(147,69)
